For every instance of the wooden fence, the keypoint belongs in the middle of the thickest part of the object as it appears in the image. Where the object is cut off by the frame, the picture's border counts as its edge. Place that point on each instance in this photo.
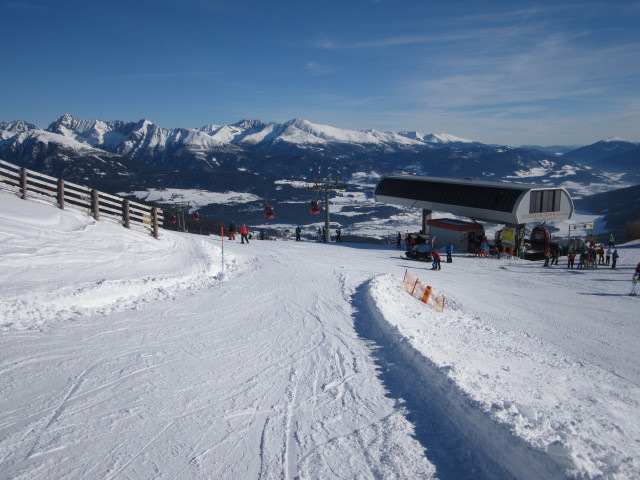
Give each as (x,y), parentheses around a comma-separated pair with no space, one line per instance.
(27,184)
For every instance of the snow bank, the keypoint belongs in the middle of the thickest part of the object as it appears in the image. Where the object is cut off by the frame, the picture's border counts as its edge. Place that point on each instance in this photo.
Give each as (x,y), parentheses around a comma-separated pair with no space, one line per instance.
(535,410)
(106,268)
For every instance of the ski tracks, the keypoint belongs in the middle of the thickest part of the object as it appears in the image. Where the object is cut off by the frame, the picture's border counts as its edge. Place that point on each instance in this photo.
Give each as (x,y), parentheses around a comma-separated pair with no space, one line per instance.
(277,386)
(331,400)
(73,388)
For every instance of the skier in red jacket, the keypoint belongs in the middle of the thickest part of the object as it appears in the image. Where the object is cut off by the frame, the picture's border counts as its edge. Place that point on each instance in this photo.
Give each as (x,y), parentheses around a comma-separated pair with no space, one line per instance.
(243,234)
(436,261)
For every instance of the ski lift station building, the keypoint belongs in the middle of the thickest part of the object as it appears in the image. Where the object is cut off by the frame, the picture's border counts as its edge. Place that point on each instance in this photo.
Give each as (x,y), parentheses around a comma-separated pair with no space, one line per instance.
(511,204)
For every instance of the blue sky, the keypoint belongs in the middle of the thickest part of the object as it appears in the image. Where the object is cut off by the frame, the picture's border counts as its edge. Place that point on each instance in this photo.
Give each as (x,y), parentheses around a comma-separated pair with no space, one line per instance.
(512,72)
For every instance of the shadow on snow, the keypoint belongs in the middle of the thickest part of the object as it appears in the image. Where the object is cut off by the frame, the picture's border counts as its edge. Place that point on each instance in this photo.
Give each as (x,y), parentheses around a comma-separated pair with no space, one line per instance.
(459,438)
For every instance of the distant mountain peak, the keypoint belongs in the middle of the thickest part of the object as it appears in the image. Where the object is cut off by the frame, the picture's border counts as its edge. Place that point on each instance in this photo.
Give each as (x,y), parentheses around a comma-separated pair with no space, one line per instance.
(62,120)
(66,117)
(249,123)
(298,122)
(17,126)
(445,138)
(412,135)
(435,138)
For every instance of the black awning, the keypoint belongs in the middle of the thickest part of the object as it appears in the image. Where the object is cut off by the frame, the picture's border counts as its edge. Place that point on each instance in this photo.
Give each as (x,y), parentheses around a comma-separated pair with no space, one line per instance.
(497,198)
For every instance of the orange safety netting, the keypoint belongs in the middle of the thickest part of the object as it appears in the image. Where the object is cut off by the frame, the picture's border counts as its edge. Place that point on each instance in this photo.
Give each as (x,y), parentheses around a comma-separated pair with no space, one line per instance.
(423,292)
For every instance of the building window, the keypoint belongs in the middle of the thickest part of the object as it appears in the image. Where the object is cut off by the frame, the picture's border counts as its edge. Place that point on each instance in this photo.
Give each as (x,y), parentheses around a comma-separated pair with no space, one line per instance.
(543,201)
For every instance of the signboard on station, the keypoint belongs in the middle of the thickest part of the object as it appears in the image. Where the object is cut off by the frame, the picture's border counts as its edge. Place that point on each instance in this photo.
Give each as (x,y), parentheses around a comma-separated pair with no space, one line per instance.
(581,226)
(508,237)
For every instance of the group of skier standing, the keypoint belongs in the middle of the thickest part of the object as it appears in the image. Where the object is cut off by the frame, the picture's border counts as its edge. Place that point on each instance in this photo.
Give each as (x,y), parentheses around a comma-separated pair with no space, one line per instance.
(435,265)
(590,257)
(244,233)
(321,234)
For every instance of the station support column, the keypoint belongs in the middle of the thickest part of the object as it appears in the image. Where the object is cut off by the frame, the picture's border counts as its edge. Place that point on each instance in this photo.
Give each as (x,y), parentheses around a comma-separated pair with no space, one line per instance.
(426,216)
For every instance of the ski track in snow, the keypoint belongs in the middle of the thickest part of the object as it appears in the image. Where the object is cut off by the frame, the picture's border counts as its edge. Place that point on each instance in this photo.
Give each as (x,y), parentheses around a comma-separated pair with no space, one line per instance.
(127,357)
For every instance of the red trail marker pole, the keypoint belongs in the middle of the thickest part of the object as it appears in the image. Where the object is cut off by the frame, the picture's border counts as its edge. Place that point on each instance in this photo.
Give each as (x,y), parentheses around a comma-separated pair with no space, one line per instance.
(222,239)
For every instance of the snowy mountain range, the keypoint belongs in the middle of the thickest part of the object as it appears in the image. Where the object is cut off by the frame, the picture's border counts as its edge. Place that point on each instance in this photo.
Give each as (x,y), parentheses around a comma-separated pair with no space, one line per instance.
(145,139)
(266,159)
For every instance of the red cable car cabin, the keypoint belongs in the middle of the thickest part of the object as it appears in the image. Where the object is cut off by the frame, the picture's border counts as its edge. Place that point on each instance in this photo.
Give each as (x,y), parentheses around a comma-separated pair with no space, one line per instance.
(196,217)
(540,238)
(173,219)
(268,212)
(314,208)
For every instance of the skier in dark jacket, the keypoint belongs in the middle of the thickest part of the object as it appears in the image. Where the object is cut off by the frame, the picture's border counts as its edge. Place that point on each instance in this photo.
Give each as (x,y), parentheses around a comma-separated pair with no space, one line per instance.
(634,284)
(635,280)
(232,231)
(614,258)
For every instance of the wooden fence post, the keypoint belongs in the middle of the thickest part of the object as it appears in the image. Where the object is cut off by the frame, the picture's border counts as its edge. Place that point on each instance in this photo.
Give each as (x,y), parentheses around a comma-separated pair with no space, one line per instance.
(125,213)
(414,287)
(61,193)
(154,219)
(95,204)
(23,182)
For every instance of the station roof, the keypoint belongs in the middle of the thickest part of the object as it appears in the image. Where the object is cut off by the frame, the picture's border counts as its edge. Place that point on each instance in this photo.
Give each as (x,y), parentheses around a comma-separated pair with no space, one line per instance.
(495,202)
(450,191)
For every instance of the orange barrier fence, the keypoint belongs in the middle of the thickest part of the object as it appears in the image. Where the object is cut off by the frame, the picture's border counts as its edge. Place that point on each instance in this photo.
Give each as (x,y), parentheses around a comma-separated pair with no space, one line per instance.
(423,292)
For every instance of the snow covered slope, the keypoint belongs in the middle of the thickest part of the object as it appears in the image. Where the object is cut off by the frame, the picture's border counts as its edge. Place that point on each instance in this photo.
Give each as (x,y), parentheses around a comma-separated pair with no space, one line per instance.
(126,357)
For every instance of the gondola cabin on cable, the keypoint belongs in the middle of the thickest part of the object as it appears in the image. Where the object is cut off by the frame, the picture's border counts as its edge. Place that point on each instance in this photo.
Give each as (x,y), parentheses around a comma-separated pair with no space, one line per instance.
(540,238)
(173,219)
(314,208)
(195,217)
(269,212)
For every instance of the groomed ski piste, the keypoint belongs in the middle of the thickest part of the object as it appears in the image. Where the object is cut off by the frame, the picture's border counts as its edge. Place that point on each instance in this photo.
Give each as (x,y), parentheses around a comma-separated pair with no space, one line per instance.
(122,356)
